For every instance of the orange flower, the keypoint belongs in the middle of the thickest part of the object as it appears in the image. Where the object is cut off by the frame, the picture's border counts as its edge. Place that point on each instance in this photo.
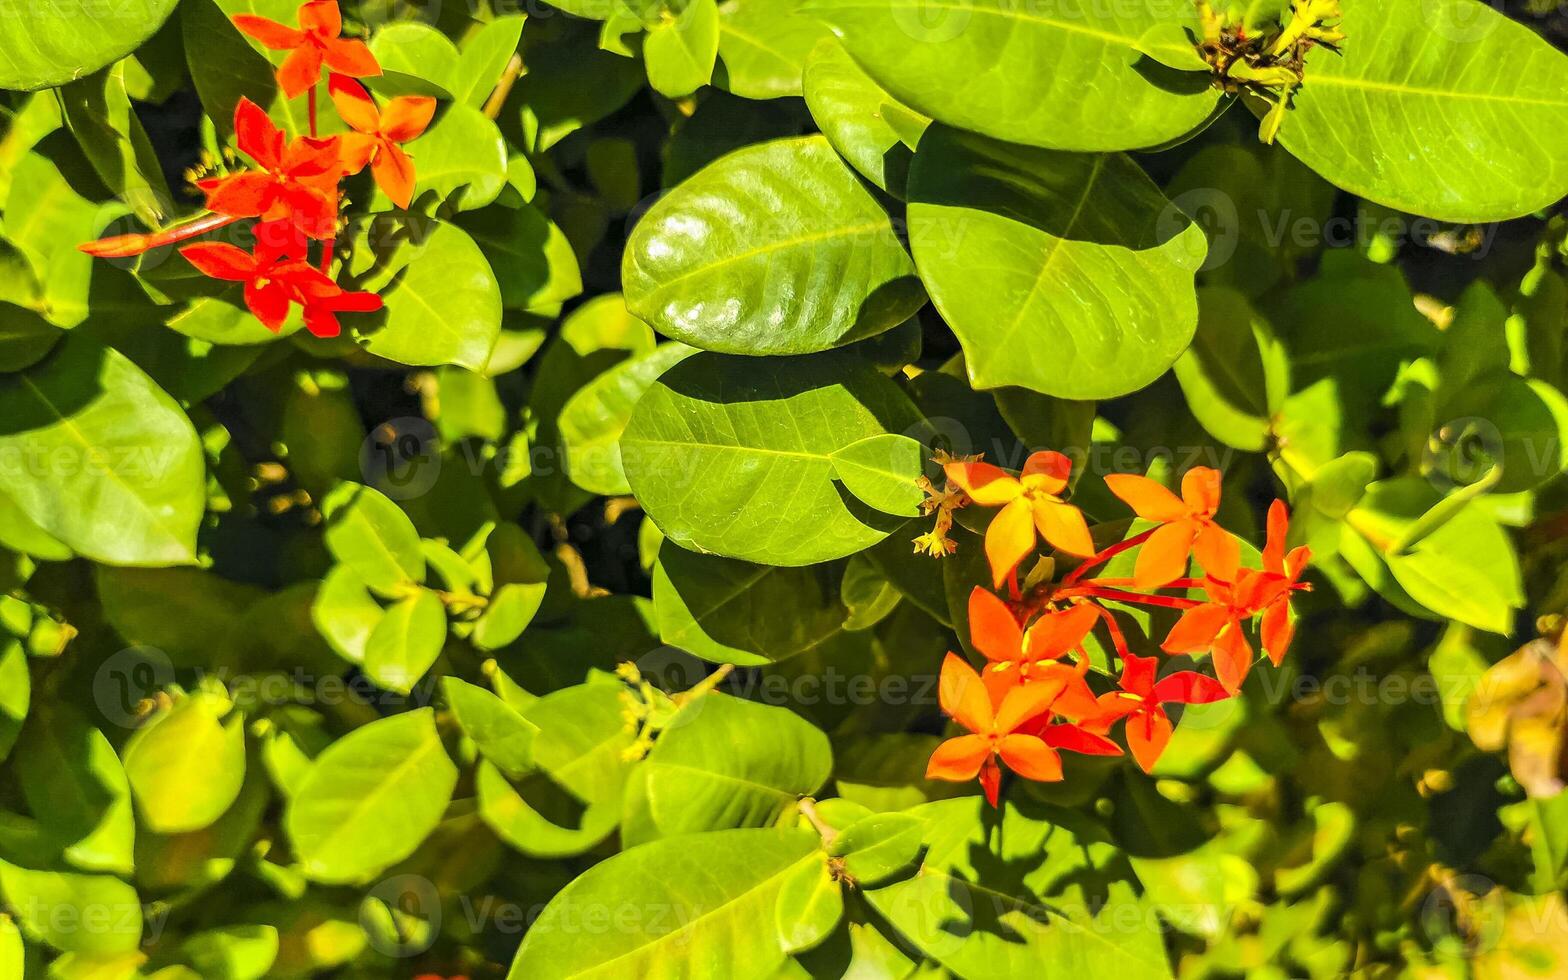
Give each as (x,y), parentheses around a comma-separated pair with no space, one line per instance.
(994,731)
(377,133)
(1187,522)
(1021,656)
(1030,502)
(297,179)
(1277,629)
(316,43)
(1141,701)
(1217,627)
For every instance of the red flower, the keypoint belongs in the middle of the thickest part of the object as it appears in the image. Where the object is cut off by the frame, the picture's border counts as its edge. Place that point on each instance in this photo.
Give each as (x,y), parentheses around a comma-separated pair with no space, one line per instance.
(316,43)
(1277,629)
(324,299)
(1030,502)
(297,180)
(1218,627)
(1187,522)
(995,731)
(269,274)
(1140,701)
(377,134)
(276,276)
(1022,657)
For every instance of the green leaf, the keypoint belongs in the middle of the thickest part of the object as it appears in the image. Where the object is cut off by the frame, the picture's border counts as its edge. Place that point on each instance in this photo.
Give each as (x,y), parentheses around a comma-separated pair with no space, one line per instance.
(680,49)
(370,534)
(12,953)
(370,799)
(705,895)
(595,416)
(1502,419)
(443,305)
(55,907)
(186,765)
(854,112)
(570,84)
(49,44)
(461,156)
(88,416)
(809,907)
(763,46)
(345,613)
(1465,570)
(723,763)
(734,456)
(225,65)
(417,50)
(1414,73)
(877,847)
(1018,891)
(573,800)
(512,607)
(484,57)
(75,786)
(729,611)
(233,952)
(881,471)
(16,694)
(532,260)
(406,641)
(98,112)
(1071,76)
(1067,274)
(802,255)
(1234,372)
(504,737)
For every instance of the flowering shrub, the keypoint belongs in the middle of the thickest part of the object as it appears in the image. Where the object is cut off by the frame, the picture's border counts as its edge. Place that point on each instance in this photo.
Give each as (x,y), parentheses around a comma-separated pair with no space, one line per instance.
(758,488)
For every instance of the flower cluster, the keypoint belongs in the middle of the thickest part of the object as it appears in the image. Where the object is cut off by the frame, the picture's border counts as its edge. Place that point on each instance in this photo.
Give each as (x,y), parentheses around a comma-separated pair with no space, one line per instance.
(1034,697)
(294,187)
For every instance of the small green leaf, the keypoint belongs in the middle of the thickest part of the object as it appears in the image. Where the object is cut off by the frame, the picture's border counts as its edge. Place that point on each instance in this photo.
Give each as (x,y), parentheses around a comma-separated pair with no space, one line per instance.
(186,765)
(877,847)
(53,907)
(406,641)
(680,49)
(881,471)
(371,534)
(809,907)
(503,736)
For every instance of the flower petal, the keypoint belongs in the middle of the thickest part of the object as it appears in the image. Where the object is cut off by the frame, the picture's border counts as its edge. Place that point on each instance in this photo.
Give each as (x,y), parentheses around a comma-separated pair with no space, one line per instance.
(1163,557)
(1031,758)
(321,17)
(1009,539)
(1274,546)
(347,56)
(354,104)
(1200,489)
(993,629)
(1196,630)
(1232,656)
(406,117)
(1138,675)
(1075,739)
(986,485)
(394,173)
(1277,630)
(322,322)
(1148,733)
(991,780)
(1189,687)
(1148,499)
(963,696)
(257,137)
(958,759)
(1049,471)
(1063,526)
(1218,552)
(221,261)
(269,303)
(242,195)
(270,33)
(1053,634)
(1028,702)
(300,71)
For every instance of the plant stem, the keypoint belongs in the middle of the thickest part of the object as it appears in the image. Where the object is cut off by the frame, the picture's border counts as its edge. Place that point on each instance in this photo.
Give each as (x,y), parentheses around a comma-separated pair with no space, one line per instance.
(503,86)
(1096,560)
(808,809)
(125,246)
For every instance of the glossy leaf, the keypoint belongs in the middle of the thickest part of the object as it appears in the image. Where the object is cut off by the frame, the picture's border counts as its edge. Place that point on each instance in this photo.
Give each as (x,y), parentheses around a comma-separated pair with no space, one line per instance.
(775,249)
(50,44)
(1067,274)
(734,456)
(186,765)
